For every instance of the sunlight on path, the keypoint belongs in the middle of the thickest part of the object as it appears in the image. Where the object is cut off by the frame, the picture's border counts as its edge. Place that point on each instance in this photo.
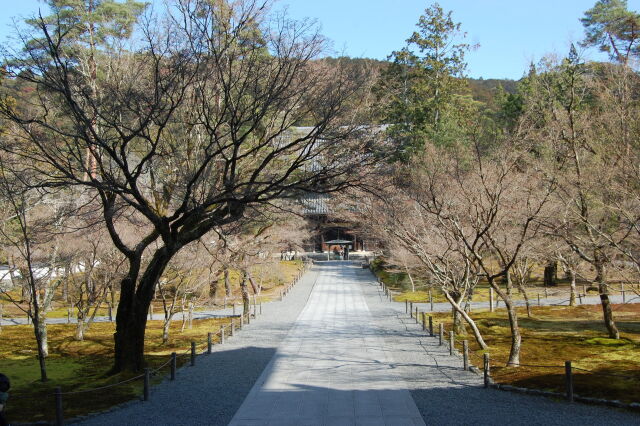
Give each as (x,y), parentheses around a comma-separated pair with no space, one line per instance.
(332,368)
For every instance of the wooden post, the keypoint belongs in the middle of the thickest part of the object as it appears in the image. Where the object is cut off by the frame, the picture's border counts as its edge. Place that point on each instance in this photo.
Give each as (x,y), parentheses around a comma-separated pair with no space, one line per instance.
(487,372)
(145,389)
(441,333)
(173,365)
(546,293)
(209,343)
(68,315)
(452,342)
(431,300)
(110,312)
(410,309)
(416,316)
(430,326)
(568,380)
(234,308)
(424,321)
(59,411)
(624,297)
(491,299)
(261,307)
(584,289)
(406,306)
(465,355)
(222,334)
(150,311)
(538,299)
(193,353)
(281,295)
(580,298)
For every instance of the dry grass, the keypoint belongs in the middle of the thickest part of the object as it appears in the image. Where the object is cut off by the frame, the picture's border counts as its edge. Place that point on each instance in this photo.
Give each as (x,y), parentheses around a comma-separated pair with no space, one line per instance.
(556,334)
(77,366)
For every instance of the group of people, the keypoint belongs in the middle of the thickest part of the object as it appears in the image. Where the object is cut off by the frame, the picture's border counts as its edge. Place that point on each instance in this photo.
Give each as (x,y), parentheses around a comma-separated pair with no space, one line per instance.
(341,253)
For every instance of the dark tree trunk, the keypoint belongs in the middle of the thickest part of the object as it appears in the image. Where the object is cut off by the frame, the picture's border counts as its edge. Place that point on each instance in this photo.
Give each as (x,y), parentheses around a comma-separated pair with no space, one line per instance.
(131,319)
(551,274)
(604,300)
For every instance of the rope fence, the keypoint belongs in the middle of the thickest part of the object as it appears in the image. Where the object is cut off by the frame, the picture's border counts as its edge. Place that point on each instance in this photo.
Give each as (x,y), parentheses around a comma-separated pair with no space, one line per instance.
(191,353)
(483,359)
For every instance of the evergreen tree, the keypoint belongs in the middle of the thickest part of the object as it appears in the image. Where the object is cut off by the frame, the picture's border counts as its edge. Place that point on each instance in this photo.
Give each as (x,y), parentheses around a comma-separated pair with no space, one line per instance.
(614,29)
(420,85)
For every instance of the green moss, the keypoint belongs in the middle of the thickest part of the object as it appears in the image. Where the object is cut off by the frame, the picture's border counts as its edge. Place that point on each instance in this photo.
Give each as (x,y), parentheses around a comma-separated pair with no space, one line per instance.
(608,342)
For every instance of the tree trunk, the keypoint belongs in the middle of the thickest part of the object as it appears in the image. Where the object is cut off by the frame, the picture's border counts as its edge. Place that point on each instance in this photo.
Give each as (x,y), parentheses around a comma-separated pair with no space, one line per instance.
(254,286)
(245,293)
(413,285)
(213,286)
(516,337)
(508,282)
(469,320)
(42,331)
(165,330)
(79,335)
(523,291)
(131,318)
(42,346)
(604,300)
(227,284)
(551,274)
(572,277)
(458,326)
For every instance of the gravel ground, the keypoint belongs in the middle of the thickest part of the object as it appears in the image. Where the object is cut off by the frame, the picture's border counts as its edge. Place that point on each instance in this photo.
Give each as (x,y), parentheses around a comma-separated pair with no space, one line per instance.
(446,395)
(211,392)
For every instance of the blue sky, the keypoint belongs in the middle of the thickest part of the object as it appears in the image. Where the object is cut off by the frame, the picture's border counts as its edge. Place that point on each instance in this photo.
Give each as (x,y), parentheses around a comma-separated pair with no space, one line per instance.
(511,33)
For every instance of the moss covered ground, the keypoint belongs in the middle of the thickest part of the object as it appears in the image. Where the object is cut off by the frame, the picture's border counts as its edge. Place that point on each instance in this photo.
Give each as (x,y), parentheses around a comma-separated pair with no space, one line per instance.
(557,334)
(84,365)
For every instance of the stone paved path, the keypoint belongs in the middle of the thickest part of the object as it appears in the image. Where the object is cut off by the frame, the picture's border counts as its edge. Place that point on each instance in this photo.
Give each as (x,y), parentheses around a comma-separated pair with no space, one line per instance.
(332,368)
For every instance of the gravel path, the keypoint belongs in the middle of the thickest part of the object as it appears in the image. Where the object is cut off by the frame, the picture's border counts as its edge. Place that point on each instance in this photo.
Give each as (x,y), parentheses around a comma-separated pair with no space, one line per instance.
(447,395)
(212,391)
(397,357)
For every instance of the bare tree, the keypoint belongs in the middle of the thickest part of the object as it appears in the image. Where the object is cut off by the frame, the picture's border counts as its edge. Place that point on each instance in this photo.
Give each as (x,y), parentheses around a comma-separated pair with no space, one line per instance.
(487,204)
(188,127)
(27,232)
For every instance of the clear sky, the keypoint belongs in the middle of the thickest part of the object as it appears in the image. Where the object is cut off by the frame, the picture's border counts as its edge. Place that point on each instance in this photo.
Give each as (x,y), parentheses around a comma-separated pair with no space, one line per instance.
(511,33)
